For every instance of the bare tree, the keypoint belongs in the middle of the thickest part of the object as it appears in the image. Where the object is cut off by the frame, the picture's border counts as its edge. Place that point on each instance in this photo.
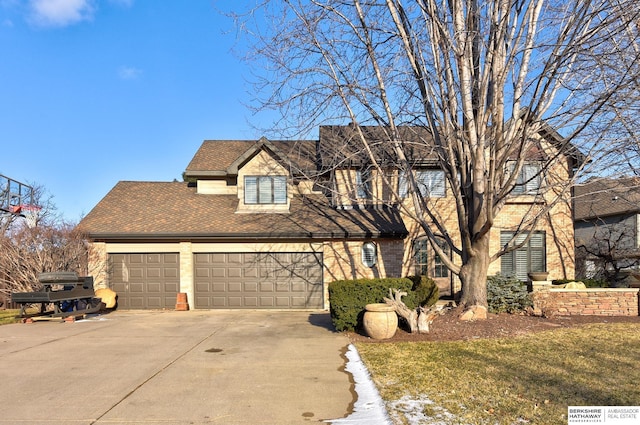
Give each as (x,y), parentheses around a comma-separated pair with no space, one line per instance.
(52,245)
(485,78)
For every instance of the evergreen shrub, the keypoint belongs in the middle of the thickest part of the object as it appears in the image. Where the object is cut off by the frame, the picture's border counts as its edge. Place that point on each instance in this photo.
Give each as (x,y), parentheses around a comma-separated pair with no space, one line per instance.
(589,283)
(507,294)
(424,292)
(347,298)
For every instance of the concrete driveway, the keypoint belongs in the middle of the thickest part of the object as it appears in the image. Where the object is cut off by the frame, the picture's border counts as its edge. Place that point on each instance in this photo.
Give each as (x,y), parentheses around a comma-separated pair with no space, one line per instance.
(195,367)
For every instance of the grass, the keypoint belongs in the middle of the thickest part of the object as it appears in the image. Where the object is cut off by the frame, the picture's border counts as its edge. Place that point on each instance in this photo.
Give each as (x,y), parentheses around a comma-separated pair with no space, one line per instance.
(528,379)
(9,316)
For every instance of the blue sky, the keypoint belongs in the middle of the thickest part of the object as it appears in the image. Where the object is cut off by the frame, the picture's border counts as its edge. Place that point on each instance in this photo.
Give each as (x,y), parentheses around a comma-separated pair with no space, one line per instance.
(97,91)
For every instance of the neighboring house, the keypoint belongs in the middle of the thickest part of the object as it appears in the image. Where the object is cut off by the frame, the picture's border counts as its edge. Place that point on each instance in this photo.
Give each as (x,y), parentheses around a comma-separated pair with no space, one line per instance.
(607,227)
(269,224)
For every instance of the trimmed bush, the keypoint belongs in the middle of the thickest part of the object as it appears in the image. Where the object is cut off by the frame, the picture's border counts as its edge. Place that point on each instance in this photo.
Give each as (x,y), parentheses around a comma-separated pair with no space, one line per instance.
(348,298)
(507,294)
(424,292)
(589,283)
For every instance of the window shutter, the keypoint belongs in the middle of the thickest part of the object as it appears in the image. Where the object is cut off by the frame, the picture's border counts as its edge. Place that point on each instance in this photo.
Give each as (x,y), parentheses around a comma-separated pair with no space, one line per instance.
(250,190)
(280,190)
(522,261)
(431,183)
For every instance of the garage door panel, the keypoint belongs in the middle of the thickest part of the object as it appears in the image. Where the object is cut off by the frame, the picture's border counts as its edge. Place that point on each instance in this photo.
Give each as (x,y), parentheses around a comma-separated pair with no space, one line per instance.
(234,272)
(136,258)
(145,281)
(154,287)
(135,272)
(154,272)
(171,287)
(266,302)
(202,272)
(266,280)
(218,272)
(171,273)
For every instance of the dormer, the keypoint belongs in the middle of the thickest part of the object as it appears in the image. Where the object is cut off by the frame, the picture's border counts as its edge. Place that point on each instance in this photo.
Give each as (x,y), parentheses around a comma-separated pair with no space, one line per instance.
(264,183)
(256,172)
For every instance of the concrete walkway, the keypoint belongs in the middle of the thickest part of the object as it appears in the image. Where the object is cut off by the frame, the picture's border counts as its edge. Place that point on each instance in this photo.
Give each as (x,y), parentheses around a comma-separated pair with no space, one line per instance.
(195,367)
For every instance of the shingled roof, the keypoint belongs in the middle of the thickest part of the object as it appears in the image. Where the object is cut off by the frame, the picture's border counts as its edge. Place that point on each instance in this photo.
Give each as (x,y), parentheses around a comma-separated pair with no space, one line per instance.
(174,211)
(601,198)
(221,157)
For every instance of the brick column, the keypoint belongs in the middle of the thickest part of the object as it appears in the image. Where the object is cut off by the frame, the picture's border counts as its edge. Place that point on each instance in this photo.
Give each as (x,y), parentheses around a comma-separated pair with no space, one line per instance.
(186,272)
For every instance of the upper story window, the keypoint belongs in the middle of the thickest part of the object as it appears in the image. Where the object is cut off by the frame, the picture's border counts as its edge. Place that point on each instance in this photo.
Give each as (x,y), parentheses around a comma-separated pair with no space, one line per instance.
(363,183)
(431,183)
(528,182)
(265,190)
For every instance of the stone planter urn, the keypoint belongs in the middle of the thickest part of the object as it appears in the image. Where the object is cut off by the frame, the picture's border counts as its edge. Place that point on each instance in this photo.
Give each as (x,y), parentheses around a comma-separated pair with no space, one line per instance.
(380,321)
(538,276)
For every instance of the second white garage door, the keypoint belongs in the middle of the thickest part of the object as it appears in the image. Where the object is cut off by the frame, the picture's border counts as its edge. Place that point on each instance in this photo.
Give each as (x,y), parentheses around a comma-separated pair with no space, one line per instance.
(258,280)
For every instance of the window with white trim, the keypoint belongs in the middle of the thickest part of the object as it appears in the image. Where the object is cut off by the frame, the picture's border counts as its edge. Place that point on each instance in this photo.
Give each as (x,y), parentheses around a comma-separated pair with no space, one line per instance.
(265,190)
(531,257)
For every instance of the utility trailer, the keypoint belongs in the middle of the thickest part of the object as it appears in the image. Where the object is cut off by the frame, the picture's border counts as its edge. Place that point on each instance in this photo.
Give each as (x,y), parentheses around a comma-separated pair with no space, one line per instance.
(63,294)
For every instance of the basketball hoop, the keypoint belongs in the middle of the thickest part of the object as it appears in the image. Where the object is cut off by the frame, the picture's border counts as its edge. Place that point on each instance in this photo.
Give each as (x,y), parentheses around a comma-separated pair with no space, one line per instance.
(30,213)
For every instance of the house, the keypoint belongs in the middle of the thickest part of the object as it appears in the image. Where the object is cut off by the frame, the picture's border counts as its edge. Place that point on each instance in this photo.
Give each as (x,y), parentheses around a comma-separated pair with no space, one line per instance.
(269,224)
(607,227)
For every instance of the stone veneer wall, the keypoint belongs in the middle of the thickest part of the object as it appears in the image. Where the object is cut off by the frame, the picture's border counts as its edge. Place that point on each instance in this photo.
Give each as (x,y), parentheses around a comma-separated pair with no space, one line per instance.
(589,302)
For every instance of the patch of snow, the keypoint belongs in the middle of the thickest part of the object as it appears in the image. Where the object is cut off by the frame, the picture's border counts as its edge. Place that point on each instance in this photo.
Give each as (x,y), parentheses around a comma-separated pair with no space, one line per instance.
(414,411)
(369,407)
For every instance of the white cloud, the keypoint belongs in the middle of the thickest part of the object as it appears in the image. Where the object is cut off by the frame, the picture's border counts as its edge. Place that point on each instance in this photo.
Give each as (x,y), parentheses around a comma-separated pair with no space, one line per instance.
(60,13)
(129,72)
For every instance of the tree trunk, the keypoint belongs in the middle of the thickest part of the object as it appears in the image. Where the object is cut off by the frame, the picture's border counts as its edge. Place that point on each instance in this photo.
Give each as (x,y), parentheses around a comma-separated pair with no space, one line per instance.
(473,276)
(418,319)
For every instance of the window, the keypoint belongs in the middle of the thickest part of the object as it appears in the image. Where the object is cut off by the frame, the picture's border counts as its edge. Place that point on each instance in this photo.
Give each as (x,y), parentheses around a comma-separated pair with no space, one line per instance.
(421,257)
(431,183)
(369,254)
(528,181)
(439,269)
(403,184)
(530,257)
(363,184)
(265,190)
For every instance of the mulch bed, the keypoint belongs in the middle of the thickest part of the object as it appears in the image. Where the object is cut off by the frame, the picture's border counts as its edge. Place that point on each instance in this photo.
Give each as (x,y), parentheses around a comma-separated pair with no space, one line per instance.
(447,327)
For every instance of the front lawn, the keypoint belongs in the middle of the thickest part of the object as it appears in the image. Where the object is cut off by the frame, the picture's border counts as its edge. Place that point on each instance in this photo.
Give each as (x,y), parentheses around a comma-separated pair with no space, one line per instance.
(526,379)
(9,316)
